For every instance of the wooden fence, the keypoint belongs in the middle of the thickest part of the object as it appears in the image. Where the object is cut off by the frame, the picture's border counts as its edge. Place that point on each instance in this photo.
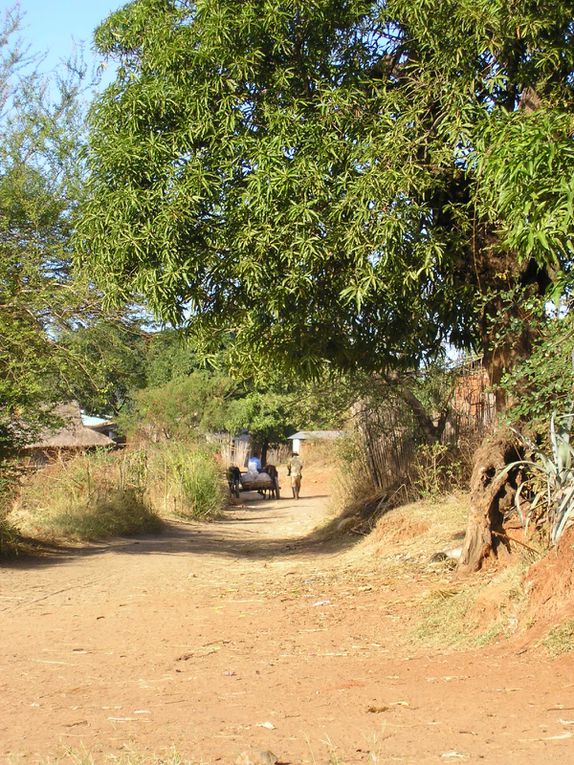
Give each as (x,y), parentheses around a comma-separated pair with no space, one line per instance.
(236,451)
(391,439)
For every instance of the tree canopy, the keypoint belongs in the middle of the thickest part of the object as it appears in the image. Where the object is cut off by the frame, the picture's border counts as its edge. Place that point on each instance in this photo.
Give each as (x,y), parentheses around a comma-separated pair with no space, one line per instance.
(38,181)
(110,351)
(338,180)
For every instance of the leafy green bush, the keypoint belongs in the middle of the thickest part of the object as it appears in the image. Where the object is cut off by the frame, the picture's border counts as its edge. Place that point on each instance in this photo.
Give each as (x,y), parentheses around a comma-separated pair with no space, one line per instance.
(86,498)
(179,408)
(542,382)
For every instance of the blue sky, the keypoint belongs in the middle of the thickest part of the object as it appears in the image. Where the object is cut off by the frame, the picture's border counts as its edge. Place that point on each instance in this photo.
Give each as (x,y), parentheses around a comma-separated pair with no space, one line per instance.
(59,27)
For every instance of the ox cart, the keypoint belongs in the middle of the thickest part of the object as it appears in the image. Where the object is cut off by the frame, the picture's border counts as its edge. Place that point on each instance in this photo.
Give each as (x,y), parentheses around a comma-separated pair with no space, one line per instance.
(267,486)
(262,483)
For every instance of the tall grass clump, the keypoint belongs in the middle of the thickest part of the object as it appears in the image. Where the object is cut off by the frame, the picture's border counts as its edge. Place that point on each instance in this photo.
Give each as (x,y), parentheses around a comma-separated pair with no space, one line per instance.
(101,495)
(185,481)
(89,497)
(353,486)
(10,540)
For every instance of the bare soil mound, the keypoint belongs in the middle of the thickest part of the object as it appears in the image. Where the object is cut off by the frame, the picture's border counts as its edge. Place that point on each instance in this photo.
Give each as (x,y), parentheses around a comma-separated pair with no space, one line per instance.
(549,584)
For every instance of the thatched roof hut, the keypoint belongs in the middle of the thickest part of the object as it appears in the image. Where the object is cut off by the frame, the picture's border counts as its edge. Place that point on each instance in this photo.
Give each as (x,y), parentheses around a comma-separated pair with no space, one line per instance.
(73,436)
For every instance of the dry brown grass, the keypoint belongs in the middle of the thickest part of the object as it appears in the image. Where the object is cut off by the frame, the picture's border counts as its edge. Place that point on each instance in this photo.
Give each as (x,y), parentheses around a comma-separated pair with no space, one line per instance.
(100,495)
(444,611)
(11,543)
(184,481)
(87,498)
(471,613)
(560,639)
(423,528)
(82,757)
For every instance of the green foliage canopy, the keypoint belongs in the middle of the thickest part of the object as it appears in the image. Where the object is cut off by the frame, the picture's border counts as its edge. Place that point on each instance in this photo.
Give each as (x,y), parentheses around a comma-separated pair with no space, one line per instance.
(182,408)
(546,377)
(177,404)
(110,350)
(167,357)
(39,172)
(47,311)
(337,180)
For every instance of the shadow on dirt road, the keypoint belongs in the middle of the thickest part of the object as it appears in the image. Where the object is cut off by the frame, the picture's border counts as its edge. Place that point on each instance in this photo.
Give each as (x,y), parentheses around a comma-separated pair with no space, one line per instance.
(246,530)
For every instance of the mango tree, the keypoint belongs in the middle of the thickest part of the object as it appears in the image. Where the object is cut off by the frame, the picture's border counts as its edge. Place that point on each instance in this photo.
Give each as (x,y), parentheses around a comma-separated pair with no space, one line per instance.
(341,183)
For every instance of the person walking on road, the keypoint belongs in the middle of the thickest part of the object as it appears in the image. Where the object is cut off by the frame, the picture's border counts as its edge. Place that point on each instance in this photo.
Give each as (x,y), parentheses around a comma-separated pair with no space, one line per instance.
(295,470)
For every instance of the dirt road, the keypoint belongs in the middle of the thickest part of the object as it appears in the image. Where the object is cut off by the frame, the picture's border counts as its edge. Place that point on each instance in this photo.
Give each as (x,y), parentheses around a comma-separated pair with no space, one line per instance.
(247,633)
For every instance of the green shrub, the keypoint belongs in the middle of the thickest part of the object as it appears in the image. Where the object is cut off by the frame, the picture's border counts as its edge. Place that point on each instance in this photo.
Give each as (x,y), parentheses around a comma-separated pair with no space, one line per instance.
(86,498)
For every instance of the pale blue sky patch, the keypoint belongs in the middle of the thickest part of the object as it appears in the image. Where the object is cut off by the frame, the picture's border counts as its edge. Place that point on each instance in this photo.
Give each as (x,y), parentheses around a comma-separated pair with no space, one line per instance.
(60,29)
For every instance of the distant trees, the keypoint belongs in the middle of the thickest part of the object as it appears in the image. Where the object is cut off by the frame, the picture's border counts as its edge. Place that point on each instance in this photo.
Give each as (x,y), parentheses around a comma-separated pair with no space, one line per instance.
(111,353)
(55,337)
(169,357)
(182,398)
(181,408)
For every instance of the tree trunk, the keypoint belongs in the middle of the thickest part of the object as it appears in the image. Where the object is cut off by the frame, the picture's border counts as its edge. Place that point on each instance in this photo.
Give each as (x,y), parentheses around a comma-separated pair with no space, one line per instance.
(491,491)
(264,449)
(507,332)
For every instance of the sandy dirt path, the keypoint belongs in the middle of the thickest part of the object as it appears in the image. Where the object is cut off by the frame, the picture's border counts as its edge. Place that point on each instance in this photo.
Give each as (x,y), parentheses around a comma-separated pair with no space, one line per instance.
(247,633)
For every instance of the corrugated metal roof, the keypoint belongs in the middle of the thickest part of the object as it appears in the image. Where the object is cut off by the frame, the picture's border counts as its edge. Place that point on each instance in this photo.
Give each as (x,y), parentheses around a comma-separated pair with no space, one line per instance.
(94,422)
(319,435)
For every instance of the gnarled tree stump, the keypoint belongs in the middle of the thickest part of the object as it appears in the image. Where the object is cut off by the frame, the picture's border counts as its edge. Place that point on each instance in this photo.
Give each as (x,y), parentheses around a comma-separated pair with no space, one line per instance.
(490,488)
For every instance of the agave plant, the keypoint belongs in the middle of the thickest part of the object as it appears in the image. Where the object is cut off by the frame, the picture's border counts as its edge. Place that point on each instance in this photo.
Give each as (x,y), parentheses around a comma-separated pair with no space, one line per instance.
(550,478)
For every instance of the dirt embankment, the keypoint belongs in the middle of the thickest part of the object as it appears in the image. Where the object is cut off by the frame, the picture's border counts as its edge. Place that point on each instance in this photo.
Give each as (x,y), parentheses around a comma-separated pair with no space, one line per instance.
(253,633)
